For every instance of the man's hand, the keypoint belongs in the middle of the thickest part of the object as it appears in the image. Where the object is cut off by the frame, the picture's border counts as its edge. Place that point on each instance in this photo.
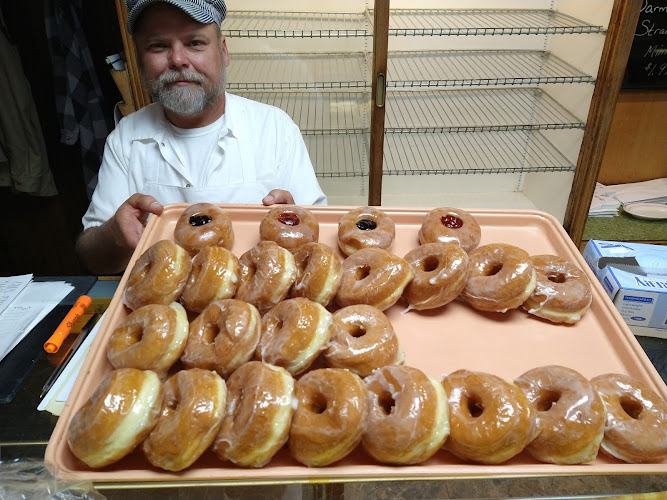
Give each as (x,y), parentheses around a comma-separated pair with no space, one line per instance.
(278,197)
(108,248)
(128,224)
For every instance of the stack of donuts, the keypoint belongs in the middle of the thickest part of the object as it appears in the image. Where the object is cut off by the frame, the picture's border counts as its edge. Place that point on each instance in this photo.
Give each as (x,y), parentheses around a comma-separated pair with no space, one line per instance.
(287,345)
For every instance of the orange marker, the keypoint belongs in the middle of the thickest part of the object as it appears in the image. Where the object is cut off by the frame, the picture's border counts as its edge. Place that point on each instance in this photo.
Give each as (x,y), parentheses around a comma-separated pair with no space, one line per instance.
(56,340)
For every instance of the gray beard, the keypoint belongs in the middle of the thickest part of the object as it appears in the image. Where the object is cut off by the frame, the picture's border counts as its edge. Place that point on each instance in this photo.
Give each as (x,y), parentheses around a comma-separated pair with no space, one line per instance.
(186,101)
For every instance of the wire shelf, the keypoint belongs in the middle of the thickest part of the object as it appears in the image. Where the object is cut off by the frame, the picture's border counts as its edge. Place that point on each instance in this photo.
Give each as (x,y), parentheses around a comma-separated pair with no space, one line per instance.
(339,155)
(469,22)
(404,22)
(291,71)
(321,113)
(473,153)
(270,24)
(502,109)
(479,68)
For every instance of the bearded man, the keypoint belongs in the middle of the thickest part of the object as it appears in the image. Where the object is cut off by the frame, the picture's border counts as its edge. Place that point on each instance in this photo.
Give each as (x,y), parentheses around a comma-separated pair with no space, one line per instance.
(195,143)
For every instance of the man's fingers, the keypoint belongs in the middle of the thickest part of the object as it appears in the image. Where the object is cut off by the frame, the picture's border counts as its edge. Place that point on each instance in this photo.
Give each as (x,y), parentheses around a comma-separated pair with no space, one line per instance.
(145,203)
(278,197)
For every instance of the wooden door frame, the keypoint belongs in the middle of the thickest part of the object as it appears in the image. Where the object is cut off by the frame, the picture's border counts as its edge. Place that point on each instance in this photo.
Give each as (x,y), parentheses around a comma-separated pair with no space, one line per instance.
(620,34)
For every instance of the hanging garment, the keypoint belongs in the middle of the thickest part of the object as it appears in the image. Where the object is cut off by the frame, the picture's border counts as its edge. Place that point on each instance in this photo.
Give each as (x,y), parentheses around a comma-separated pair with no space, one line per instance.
(24,164)
(78,95)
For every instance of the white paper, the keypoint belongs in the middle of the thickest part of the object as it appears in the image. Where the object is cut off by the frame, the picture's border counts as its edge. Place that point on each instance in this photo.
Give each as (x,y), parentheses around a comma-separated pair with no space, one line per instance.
(10,287)
(31,305)
(54,400)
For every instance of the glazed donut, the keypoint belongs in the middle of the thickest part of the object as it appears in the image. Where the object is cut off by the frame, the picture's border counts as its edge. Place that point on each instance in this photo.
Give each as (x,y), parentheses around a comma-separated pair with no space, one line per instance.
(223,337)
(260,405)
(267,274)
(214,275)
(450,225)
(290,226)
(562,291)
(116,418)
(491,420)
(365,227)
(158,276)
(204,225)
(318,273)
(363,340)
(330,418)
(293,333)
(501,277)
(192,411)
(570,415)
(441,270)
(150,338)
(635,429)
(408,416)
(375,277)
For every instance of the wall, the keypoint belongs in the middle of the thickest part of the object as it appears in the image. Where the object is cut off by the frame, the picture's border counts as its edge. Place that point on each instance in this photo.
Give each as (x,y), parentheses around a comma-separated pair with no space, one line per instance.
(637,145)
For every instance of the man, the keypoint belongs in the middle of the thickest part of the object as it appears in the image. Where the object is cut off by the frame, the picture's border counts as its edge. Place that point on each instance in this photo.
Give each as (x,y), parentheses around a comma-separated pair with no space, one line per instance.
(196,143)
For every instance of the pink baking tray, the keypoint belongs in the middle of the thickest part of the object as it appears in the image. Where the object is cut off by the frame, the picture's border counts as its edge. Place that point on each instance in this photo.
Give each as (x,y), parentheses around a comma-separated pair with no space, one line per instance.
(437,341)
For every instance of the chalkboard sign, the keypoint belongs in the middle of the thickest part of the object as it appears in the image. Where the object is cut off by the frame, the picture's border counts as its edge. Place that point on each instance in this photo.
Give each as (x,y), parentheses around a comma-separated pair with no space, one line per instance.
(647,65)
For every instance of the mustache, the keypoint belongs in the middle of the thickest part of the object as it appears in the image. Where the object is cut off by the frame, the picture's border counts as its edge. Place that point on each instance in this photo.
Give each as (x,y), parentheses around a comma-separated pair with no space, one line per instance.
(173,76)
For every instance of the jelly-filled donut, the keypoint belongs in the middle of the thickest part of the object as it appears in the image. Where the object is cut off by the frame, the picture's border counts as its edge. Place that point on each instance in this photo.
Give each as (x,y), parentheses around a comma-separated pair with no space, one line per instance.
(318,275)
(204,225)
(408,416)
(375,277)
(330,418)
(260,405)
(635,429)
(267,274)
(491,420)
(192,411)
(294,332)
(363,340)
(570,415)
(441,270)
(118,416)
(365,227)
(290,226)
(450,225)
(158,276)
(214,275)
(223,336)
(562,291)
(151,338)
(501,277)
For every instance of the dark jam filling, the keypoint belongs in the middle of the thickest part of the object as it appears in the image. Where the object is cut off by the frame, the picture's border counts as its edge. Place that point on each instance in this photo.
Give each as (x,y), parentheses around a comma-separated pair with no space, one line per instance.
(366,224)
(199,220)
(289,219)
(451,221)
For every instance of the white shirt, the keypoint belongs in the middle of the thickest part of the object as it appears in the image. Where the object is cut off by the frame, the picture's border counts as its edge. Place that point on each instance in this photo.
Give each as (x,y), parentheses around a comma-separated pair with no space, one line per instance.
(259,148)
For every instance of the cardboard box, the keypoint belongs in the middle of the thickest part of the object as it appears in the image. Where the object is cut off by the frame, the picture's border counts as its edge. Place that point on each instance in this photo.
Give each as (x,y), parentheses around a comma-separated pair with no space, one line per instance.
(634,275)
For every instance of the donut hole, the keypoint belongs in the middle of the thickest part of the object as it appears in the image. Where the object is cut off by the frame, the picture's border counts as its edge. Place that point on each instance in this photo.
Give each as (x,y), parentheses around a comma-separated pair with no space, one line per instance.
(134,334)
(475,406)
(278,326)
(318,403)
(430,263)
(386,403)
(556,277)
(210,333)
(362,272)
(632,407)
(492,268)
(546,400)
(357,331)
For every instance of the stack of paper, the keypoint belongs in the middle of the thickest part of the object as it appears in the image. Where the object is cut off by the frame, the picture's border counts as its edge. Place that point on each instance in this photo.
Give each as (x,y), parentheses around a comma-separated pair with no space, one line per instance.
(604,204)
(607,199)
(23,304)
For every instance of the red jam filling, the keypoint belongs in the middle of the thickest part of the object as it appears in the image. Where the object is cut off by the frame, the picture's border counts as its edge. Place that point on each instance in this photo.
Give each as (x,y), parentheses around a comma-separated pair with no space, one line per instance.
(289,219)
(451,221)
